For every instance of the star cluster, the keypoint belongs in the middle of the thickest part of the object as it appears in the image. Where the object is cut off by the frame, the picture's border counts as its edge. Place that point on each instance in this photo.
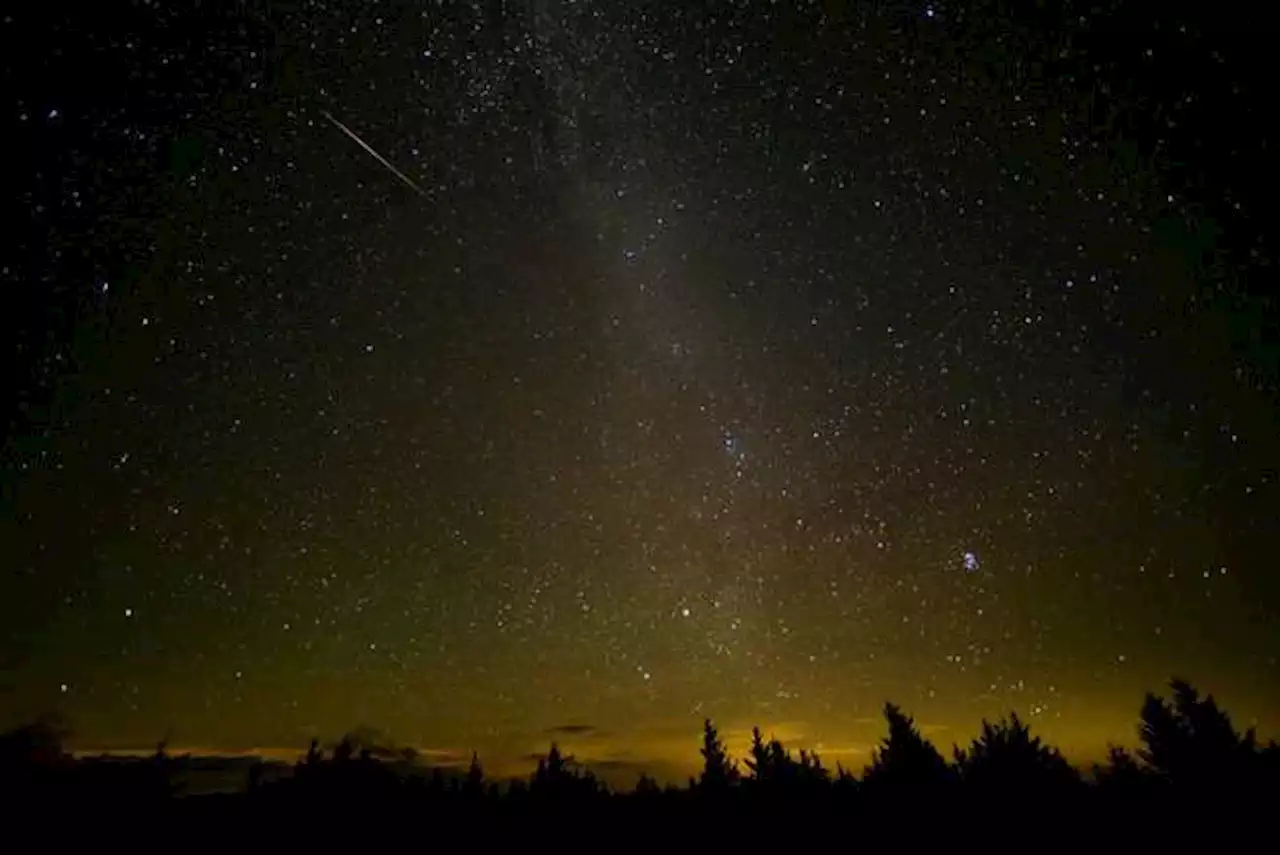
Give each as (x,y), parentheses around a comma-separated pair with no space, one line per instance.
(760,361)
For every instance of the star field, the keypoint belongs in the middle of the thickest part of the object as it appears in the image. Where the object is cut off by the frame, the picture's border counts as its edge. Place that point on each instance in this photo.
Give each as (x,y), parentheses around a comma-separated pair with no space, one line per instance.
(759,361)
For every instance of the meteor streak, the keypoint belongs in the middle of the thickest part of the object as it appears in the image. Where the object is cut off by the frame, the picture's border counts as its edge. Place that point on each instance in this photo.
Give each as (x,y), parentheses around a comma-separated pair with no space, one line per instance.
(364,145)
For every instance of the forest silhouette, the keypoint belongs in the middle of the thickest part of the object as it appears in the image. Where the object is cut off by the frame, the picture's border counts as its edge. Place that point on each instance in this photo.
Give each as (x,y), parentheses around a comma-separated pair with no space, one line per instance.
(1192,763)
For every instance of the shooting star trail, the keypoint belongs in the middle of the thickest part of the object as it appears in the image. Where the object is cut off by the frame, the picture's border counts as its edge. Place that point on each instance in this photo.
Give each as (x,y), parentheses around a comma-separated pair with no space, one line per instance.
(364,145)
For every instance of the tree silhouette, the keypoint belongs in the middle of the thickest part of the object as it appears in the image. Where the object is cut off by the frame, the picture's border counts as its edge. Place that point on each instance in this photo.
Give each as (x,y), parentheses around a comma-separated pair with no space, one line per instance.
(315,755)
(905,758)
(254,778)
(36,744)
(551,769)
(647,787)
(1121,771)
(761,757)
(1190,741)
(344,751)
(1268,765)
(474,783)
(1186,740)
(557,781)
(1006,756)
(845,781)
(718,771)
(773,767)
(159,776)
(811,768)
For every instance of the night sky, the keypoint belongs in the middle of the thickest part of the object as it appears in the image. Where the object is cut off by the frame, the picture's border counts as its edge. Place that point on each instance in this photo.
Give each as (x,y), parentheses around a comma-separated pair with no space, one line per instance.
(759,361)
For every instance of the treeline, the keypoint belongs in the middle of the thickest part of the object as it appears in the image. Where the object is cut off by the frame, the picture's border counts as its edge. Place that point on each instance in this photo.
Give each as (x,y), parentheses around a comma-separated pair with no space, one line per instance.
(1190,754)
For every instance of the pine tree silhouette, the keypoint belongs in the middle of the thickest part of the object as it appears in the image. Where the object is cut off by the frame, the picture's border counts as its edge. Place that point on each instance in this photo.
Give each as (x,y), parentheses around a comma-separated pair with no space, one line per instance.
(1007,757)
(761,757)
(551,769)
(1187,740)
(34,762)
(159,776)
(344,751)
(1268,765)
(558,781)
(1121,772)
(36,744)
(811,768)
(905,758)
(646,785)
(718,771)
(474,783)
(846,783)
(773,767)
(1190,741)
